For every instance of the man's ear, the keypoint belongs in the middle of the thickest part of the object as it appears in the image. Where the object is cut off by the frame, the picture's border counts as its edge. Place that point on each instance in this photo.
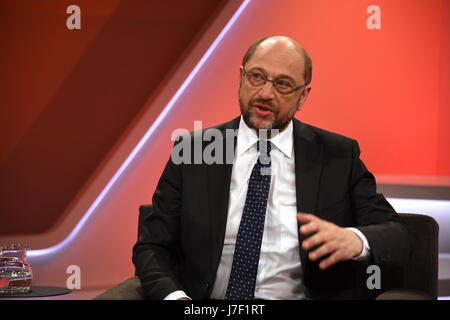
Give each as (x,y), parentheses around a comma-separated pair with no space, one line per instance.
(303,97)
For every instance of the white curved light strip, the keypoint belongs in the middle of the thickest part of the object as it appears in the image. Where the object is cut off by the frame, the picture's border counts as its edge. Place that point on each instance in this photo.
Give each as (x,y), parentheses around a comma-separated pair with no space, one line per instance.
(438,209)
(144,139)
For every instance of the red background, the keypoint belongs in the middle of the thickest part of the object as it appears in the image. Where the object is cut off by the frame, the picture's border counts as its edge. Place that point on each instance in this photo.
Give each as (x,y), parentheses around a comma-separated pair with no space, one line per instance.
(75,103)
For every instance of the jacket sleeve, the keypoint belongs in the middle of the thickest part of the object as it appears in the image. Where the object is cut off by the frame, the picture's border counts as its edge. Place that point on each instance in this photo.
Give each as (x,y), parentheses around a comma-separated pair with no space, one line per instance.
(388,237)
(156,253)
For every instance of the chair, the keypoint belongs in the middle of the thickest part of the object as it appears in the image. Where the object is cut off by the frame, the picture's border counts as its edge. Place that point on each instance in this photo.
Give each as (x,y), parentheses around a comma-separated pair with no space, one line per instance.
(418,278)
(420,274)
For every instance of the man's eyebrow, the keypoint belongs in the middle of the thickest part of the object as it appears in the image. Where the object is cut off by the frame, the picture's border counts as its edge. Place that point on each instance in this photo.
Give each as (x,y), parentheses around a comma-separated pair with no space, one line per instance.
(281,75)
(285,76)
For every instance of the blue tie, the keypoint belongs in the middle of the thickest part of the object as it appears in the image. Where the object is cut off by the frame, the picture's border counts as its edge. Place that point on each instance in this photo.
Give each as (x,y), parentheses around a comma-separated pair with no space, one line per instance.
(241,285)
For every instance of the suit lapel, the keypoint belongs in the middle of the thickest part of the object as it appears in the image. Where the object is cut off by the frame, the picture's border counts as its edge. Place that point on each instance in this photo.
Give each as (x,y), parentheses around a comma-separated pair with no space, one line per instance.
(308,168)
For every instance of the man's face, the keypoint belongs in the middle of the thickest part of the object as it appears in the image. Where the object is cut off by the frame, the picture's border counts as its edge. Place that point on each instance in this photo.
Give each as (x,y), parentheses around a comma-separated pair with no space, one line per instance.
(264,107)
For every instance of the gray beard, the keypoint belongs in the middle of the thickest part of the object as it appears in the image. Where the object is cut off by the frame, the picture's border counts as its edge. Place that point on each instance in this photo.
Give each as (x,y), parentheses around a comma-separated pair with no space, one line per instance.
(274,124)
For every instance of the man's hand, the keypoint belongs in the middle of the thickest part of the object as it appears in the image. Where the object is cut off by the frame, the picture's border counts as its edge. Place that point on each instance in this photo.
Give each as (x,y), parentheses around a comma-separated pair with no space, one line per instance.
(339,243)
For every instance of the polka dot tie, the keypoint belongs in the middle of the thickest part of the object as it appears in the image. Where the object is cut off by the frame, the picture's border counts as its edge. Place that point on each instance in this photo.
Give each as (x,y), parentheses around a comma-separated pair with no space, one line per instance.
(241,285)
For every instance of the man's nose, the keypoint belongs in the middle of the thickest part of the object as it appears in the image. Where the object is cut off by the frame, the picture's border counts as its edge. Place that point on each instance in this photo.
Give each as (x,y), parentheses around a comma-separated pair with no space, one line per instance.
(267,91)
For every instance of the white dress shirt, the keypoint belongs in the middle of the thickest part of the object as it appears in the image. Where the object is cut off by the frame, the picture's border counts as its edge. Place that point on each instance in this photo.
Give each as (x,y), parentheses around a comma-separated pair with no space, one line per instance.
(279,270)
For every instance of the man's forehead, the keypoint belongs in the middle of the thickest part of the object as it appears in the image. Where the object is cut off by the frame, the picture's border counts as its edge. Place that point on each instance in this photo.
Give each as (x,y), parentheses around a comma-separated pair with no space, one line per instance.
(280,55)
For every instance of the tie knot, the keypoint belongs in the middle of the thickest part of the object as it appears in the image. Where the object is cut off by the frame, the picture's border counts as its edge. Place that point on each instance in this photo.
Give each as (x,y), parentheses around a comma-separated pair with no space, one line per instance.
(264,147)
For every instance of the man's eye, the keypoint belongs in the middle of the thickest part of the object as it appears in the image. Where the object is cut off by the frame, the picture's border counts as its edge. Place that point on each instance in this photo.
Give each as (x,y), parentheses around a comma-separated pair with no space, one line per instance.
(257,76)
(284,83)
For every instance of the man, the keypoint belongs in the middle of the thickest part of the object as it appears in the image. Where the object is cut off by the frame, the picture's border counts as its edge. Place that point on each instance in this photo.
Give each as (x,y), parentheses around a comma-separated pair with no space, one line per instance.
(305,228)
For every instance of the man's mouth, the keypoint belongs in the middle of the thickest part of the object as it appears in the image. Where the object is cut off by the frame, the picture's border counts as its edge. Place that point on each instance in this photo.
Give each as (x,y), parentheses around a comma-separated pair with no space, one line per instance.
(263,110)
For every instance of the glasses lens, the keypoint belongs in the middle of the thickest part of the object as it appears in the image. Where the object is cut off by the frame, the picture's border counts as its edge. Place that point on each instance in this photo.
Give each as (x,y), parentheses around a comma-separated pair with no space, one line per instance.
(283,86)
(256,79)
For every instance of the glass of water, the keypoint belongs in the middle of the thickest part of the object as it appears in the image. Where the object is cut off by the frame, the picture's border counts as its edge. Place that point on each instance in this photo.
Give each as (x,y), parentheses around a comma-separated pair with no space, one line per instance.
(15,271)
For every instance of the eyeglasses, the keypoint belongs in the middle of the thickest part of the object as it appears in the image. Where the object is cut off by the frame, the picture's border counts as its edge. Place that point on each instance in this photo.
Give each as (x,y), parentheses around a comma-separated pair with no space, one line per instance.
(283,86)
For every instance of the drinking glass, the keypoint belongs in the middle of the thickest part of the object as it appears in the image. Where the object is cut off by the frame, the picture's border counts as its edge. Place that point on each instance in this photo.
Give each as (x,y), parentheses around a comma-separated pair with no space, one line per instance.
(15,271)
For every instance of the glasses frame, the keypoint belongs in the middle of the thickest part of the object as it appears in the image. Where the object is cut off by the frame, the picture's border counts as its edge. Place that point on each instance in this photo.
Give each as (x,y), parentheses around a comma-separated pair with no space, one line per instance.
(265,78)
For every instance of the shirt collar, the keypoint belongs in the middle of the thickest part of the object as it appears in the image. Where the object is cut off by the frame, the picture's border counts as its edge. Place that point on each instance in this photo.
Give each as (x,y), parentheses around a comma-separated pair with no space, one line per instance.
(247,137)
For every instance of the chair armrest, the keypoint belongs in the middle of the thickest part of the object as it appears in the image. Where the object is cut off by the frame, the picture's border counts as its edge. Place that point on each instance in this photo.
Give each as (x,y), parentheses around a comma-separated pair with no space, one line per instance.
(127,290)
(403,295)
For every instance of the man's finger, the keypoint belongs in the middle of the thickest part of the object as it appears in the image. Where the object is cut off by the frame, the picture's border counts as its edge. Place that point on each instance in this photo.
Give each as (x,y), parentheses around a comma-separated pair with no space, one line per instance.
(323,250)
(315,240)
(331,260)
(305,217)
(309,227)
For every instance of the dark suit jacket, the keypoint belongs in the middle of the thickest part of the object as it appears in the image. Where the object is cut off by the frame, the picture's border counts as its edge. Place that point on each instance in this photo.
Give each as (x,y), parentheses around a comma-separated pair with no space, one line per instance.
(181,242)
